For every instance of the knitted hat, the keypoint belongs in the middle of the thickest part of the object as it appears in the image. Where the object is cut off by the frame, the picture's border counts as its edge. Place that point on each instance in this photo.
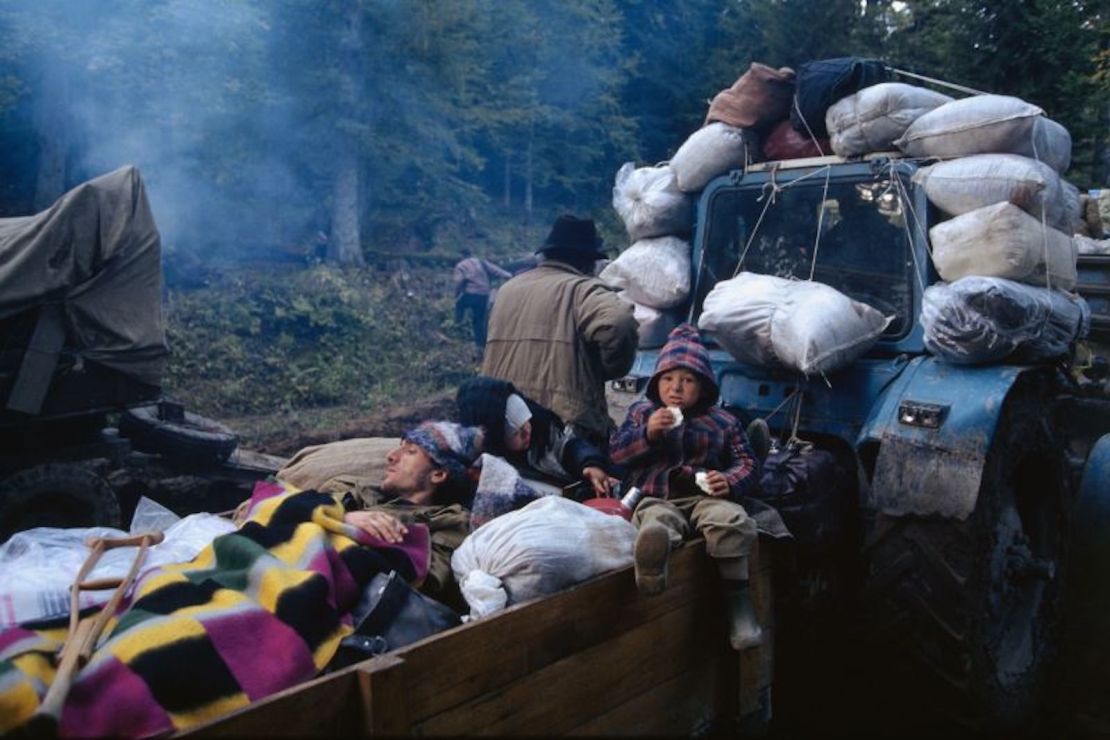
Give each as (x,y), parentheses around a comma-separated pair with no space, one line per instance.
(516,413)
(451,446)
(685,350)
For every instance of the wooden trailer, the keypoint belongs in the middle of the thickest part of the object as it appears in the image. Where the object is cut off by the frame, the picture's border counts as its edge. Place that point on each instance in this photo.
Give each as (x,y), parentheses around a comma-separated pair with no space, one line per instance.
(597,659)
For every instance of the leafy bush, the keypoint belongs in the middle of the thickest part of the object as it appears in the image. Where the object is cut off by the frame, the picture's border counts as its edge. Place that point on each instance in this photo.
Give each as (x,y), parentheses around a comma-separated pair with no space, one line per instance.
(266,340)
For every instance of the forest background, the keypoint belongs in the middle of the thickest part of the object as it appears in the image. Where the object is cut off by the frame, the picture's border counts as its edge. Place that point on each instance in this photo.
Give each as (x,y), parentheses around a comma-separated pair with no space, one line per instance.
(315,167)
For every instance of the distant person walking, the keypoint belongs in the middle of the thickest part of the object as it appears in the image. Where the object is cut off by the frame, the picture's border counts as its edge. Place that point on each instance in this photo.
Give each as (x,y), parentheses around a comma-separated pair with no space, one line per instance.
(558,333)
(472,288)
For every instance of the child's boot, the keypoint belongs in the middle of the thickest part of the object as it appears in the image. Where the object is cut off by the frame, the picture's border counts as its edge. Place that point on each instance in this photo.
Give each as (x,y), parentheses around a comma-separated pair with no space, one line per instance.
(653,546)
(743,626)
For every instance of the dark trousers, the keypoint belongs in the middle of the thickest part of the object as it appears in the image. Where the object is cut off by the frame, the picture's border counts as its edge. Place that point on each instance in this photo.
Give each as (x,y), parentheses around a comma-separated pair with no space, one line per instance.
(478,306)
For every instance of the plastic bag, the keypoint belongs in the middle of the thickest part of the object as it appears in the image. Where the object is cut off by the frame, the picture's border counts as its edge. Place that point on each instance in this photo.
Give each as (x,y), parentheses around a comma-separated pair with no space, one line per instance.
(962,185)
(1087,245)
(649,202)
(653,272)
(873,118)
(982,319)
(988,124)
(543,548)
(653,324)
(769,321)
(1003,241)
(38,566)
(710,151)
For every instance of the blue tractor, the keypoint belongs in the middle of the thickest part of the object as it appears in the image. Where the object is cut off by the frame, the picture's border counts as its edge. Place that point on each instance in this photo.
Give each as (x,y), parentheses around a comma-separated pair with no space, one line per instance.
(962,484)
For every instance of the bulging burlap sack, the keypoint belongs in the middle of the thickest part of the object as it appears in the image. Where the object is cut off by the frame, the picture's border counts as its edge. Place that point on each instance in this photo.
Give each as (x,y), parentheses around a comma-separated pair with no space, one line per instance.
(772,322)
(1003,241)
(873,118)
(959,186)
(363,457)
(758,100)
(649,202)
(986,124)
(710,151)
(653,272)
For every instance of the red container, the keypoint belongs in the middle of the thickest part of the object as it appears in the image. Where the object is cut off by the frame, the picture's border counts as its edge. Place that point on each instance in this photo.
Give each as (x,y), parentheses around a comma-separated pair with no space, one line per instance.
(609,506)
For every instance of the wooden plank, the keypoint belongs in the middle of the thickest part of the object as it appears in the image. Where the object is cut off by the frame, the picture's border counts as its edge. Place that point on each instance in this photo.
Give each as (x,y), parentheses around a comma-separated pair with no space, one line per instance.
(757,664)
(330,705)
(555,699)
(381,686)
(494,652)
(676,707)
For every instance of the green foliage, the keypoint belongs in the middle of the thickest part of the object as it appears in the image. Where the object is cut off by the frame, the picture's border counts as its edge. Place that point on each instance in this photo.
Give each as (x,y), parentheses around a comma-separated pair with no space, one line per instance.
(260,342)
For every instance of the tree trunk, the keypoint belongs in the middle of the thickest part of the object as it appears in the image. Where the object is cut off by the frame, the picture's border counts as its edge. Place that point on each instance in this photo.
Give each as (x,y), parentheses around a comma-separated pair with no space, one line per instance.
(53,140)
(528,176)
(344,245)
(508,192)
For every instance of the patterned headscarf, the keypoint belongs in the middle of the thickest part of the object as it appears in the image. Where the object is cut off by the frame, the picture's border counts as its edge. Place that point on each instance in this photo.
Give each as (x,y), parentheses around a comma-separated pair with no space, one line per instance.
(451,446)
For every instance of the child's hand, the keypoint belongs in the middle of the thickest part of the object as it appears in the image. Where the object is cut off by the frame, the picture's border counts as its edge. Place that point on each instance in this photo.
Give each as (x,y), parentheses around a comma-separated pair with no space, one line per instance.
(718,484)
(598,479)
(660,421)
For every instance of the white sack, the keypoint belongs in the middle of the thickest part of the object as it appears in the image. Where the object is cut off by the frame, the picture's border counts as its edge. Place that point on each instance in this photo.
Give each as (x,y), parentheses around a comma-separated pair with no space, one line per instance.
(961,185)
(1087,245)
(1003,241)
(982,319)
(769,321)
(543,548)
(38,565)
(988,124)
(653,272)
(870,120)
(712,150)
(649,202)
(653,324)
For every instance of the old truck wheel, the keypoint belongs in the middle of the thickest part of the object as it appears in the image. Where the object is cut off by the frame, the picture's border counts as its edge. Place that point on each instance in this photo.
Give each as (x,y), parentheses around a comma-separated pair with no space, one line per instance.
(56,495)
(977,602)
(192,437)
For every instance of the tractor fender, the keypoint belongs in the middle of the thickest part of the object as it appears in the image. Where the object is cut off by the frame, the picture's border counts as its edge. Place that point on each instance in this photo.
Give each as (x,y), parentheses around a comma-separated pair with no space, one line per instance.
(935,470)
(1091,531)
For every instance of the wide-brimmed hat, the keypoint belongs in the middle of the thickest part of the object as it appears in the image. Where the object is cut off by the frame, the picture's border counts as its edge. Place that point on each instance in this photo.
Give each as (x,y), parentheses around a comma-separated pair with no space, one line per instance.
(571,234)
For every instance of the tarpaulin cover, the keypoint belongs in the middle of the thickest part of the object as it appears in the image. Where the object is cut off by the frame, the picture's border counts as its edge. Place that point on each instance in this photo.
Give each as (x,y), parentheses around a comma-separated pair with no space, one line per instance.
(97,252)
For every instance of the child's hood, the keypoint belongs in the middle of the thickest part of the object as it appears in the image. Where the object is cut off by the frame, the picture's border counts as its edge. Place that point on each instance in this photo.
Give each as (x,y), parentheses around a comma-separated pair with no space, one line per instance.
(685,350)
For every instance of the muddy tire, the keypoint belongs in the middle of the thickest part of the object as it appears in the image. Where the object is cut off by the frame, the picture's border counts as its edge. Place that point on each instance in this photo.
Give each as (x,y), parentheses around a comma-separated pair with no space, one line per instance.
(193,438)
(56,495)
(976,603)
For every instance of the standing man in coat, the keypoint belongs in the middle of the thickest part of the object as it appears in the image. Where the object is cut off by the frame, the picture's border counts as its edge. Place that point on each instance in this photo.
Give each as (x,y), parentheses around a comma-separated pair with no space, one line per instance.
(472,288)
(558,333)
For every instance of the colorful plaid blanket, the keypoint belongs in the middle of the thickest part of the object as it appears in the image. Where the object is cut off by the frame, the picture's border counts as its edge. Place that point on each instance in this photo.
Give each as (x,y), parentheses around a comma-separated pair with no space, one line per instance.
(259,610)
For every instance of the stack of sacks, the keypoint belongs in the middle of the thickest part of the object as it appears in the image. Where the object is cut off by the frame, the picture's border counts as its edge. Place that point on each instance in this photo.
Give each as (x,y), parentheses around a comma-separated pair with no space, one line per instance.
(872,119)
(802,325)
(654,275)
(1013,220)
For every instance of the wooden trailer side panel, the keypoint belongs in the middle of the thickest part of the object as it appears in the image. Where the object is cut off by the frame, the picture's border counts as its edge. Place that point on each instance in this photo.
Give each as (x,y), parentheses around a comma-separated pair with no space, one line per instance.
(598,658)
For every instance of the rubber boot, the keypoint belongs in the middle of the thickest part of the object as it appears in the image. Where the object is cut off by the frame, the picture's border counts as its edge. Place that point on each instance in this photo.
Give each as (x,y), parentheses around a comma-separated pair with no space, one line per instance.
(743,626)
(759,437)
(653,547)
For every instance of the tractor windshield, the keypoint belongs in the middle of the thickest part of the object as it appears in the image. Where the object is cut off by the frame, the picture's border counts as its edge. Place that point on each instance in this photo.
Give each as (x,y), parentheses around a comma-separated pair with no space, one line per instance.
(851,236)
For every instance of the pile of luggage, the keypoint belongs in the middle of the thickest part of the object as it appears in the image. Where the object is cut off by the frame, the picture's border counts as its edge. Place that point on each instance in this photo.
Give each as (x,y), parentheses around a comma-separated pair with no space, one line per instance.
(1006,254)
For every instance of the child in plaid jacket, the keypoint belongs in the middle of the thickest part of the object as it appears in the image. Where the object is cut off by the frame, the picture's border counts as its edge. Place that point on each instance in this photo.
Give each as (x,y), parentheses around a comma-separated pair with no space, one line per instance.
(693,463)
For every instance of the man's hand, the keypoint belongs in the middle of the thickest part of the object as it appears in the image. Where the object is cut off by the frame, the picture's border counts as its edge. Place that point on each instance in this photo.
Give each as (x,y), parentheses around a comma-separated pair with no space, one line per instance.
(599,480)
(383,526)
(718,484)
(660,421)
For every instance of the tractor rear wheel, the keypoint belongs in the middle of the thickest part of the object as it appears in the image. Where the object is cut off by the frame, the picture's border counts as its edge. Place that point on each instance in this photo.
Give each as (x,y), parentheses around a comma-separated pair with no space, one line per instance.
(976,603)
(56,495)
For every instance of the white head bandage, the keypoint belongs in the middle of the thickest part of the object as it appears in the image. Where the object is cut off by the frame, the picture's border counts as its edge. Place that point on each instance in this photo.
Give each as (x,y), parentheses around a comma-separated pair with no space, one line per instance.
(516,413)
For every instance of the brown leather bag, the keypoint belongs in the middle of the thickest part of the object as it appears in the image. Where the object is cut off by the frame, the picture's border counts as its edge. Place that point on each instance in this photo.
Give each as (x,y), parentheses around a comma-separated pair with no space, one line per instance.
(759,99)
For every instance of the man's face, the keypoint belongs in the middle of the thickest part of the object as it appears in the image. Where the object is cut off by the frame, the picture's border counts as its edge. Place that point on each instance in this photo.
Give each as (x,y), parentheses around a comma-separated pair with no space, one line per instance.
(412,475)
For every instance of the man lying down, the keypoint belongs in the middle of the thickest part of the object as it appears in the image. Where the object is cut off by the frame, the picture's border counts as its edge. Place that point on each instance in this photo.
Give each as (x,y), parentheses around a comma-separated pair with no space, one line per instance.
(260,609)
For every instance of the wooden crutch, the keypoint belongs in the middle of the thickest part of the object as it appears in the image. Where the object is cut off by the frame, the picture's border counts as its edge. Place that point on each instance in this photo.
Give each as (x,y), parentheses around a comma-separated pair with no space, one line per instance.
(83,634)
